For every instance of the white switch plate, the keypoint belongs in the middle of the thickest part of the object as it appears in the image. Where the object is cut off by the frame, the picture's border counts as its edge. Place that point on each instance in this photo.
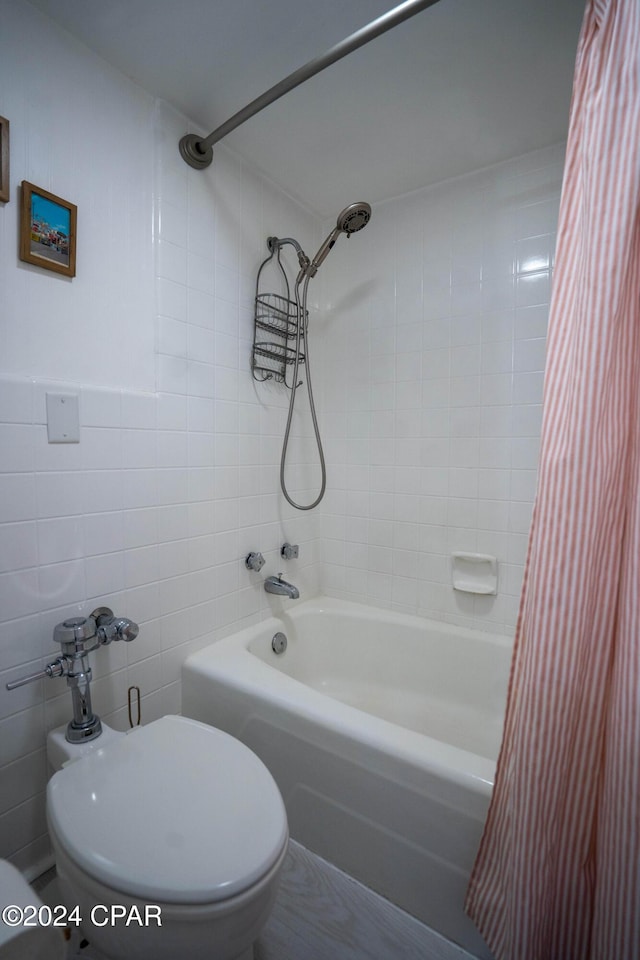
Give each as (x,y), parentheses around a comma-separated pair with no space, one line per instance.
(63,418)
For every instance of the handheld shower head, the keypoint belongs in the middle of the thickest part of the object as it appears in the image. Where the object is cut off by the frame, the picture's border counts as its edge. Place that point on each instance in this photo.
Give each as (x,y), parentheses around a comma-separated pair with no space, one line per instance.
(350,220)
(354,218)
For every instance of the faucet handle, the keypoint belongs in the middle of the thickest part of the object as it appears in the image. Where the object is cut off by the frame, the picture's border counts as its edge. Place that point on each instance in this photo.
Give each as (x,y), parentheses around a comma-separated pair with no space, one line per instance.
(254,561)
(289,551)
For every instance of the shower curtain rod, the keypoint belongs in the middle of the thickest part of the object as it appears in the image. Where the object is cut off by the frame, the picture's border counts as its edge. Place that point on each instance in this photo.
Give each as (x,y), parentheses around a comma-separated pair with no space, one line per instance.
(198,152)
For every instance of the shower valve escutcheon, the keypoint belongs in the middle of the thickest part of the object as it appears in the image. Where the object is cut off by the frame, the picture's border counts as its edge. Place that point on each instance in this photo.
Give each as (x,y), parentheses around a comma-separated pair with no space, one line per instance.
(78,637)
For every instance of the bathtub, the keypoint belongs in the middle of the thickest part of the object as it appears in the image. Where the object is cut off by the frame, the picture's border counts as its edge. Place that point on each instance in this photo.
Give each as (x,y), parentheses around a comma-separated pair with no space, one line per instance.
(382,732)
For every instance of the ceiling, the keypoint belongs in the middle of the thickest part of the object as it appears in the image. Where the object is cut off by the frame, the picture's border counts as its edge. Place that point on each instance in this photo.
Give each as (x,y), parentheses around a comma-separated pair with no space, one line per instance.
(463,84)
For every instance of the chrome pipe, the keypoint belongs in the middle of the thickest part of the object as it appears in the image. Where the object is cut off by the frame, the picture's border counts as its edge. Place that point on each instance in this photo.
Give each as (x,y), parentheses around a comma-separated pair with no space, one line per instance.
(80,683)
(198,153)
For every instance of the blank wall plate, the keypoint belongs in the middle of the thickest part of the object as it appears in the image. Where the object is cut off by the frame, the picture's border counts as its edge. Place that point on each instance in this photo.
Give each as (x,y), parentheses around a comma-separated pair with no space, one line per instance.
(63,418)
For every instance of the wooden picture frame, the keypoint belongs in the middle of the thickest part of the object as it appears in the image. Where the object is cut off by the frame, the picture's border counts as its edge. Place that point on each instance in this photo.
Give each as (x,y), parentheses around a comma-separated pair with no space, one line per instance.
(4,160)
(48,230)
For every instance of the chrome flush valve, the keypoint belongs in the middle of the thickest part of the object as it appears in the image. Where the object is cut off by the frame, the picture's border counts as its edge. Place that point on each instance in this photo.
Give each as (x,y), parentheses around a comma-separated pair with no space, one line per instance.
(102,624)
(113,628)
(73,635)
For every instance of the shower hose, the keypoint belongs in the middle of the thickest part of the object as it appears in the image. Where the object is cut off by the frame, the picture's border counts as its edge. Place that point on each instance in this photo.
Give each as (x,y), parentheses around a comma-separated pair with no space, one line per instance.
(303,322)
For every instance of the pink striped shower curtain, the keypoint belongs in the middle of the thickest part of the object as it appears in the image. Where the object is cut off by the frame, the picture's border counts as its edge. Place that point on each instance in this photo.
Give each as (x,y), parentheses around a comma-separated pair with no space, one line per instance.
(557,876)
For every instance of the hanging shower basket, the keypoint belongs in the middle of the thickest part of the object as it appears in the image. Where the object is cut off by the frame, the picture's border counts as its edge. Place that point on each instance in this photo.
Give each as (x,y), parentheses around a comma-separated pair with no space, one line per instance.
(275,333)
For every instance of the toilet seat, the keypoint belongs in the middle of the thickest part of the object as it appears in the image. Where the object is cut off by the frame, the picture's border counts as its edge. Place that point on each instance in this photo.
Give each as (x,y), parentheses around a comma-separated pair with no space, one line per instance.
(176,811)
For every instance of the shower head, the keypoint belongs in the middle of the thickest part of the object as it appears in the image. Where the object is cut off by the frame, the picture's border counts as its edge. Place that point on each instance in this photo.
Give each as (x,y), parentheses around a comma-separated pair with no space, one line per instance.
(350,220)
(354,218)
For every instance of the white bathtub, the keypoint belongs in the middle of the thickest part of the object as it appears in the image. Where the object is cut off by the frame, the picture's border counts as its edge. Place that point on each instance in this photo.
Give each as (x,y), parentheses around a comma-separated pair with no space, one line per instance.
(382,732)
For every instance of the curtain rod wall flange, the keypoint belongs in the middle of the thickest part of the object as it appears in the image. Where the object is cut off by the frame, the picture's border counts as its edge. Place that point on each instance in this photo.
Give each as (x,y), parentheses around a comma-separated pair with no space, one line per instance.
(192,154)
(198,153)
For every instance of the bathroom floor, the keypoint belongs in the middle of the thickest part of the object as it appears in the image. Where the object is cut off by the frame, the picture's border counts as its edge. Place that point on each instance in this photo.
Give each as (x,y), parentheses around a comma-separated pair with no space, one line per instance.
(321,912)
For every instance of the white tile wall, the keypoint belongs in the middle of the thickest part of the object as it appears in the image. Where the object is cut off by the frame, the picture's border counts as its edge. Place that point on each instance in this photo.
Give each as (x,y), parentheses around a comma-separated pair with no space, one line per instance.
(433,351)
(122,519)
(83,131)
(154,510)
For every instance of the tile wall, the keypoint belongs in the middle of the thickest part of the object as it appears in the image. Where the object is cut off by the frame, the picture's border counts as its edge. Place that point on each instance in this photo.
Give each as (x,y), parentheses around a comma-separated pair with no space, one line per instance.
(434,346)
(175,477)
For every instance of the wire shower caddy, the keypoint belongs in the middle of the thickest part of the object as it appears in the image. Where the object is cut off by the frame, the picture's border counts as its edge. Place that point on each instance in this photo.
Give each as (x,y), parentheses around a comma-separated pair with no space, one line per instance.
(275,332)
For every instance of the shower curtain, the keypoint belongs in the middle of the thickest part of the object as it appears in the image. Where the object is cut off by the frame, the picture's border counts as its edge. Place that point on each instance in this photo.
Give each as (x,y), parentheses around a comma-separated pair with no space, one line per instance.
(557,875)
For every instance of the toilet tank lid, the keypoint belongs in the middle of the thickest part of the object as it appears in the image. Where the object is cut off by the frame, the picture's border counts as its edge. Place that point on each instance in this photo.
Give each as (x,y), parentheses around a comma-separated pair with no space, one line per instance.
(176,811)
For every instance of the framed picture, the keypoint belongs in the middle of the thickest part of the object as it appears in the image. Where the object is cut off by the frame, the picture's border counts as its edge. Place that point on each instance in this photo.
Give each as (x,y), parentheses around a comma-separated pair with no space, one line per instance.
(48,230)
(4,160)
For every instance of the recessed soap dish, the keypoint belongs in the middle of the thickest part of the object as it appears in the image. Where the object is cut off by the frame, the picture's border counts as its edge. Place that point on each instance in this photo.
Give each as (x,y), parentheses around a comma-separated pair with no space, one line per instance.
(474,573)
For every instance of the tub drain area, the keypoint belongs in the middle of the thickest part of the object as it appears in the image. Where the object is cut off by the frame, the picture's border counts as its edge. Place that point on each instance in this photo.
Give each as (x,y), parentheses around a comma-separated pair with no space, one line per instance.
(279,643)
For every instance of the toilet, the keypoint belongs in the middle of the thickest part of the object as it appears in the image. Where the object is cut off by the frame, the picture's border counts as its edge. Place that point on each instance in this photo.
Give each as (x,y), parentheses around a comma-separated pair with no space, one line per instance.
(169,839)
(33,936)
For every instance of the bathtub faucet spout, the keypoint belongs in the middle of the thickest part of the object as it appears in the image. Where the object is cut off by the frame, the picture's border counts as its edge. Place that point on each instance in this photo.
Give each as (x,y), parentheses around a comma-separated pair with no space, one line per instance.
(281,588)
